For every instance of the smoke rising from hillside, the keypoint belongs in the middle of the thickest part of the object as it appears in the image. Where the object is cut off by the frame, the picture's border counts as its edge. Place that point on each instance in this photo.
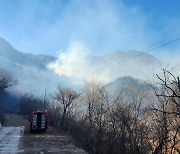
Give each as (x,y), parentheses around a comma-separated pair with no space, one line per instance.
(68,63)
(78,64)
(75,64)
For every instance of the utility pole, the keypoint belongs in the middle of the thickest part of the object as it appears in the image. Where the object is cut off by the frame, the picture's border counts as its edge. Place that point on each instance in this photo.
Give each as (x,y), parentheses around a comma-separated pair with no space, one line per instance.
(45,98)
(18,102)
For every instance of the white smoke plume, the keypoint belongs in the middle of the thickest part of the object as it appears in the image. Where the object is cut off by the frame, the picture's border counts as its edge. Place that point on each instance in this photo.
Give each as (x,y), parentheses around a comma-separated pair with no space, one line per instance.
(69,62)
(76,65)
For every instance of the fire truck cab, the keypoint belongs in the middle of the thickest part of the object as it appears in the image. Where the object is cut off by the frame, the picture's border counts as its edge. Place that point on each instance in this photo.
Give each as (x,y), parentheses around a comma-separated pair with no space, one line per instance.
(39,121)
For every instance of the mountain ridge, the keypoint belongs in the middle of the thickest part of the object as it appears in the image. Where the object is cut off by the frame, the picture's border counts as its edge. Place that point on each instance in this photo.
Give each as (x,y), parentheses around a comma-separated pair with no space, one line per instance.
(7,51)
(34,76)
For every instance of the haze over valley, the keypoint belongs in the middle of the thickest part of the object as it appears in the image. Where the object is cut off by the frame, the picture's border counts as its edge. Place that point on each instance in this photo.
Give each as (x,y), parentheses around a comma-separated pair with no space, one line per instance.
(73,68)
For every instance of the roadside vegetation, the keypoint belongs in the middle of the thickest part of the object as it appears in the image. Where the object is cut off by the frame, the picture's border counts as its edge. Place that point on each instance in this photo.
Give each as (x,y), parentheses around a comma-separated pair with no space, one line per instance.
(6,81)
(134,121)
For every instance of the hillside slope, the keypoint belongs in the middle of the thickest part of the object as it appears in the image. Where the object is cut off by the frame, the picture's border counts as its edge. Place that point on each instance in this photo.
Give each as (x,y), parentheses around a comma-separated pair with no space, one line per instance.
(30,70)
(7,52)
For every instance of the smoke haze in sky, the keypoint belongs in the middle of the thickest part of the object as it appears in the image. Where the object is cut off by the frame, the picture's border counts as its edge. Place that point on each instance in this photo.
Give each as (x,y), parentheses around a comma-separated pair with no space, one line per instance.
(103,25)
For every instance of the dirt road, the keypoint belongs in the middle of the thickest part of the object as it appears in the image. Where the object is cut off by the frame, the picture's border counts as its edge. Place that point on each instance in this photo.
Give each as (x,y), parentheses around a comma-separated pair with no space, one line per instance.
(50,142)
(15,138)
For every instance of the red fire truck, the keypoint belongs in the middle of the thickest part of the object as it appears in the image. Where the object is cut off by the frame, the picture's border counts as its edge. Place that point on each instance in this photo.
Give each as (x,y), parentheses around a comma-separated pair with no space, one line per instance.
(39,121)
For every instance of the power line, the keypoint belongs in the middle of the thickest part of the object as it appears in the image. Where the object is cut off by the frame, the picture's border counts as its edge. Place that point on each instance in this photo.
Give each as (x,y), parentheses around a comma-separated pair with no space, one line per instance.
(114,64)
(150,46)
(146,48)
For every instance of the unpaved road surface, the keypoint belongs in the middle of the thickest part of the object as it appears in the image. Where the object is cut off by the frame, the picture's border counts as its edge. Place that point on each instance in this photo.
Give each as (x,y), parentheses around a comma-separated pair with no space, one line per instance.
(50,142)
(15,138)
(9,139)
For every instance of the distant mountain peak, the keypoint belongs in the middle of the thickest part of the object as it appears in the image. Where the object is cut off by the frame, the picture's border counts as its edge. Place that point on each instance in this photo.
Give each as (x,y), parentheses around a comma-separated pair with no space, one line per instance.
(121,84)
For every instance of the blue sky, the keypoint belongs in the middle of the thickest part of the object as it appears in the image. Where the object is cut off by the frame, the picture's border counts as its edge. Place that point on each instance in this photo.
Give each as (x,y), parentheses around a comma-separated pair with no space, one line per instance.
(50,26)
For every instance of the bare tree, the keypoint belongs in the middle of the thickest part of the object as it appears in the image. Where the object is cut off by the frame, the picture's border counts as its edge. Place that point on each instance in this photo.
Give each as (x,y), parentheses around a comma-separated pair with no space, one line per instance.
(166,114)
(96,98)
(138,129)
(6,80)
(116,128)
(66,99)
(116,122)
(129,122)
(54,113)
(28,103)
